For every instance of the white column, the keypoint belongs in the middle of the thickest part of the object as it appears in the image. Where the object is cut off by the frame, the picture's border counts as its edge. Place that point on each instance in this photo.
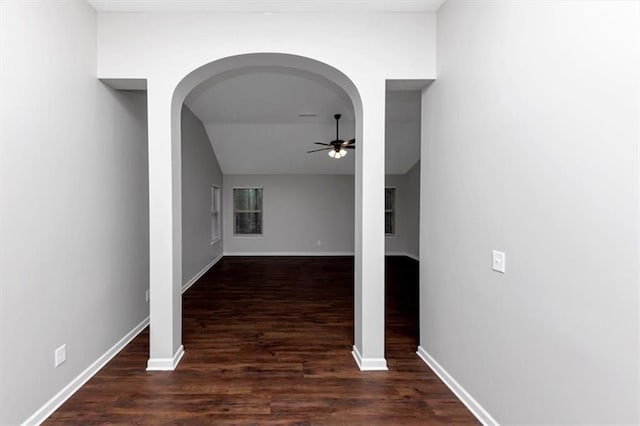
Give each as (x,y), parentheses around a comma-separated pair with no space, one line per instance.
(165,230)
(369,310)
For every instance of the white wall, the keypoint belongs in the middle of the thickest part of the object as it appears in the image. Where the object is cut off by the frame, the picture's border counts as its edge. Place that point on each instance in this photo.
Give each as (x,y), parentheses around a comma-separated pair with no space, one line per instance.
(74,201)
(531,147)
(298,211)
(139,45)
(200,170)
(407,205)
(402,130)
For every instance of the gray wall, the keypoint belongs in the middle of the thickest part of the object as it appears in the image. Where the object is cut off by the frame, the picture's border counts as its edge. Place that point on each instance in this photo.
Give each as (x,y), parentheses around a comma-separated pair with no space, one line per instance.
(531,147)
(407,204)
(412,215)
(300,210)
(200,170)
(74,201)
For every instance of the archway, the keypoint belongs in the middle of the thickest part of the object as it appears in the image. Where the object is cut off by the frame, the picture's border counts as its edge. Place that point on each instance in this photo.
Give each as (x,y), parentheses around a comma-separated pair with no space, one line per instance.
(165,215)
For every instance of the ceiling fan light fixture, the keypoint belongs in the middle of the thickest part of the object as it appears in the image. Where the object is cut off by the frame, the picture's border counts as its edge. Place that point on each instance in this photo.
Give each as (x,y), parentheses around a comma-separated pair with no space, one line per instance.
(337,154)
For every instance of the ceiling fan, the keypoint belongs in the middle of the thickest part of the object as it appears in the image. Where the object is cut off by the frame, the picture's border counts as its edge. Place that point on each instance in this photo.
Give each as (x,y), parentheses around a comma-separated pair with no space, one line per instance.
(337,148)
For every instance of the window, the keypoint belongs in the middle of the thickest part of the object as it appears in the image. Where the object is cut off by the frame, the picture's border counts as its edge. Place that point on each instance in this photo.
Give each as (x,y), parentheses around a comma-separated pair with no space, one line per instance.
(215,214)
(247,211)
(389,211)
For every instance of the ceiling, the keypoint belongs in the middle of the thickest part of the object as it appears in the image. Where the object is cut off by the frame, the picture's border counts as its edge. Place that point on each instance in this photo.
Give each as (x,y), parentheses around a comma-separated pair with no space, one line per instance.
(266,6)
(253,119)
(269,95)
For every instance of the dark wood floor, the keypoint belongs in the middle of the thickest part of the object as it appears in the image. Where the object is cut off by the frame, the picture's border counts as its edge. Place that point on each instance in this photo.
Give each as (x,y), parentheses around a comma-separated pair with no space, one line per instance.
(268,341)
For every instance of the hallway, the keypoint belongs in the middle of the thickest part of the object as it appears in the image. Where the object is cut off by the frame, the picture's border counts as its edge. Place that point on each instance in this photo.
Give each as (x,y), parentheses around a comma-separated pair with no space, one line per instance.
(268,341)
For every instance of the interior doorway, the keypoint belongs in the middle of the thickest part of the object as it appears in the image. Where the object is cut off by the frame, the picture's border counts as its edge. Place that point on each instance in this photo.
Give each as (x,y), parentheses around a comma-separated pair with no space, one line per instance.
(402,217)
(261,163)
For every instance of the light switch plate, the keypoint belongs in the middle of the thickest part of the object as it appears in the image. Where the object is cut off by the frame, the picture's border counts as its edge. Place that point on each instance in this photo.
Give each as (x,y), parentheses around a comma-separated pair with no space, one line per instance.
(60,355)
(498,261)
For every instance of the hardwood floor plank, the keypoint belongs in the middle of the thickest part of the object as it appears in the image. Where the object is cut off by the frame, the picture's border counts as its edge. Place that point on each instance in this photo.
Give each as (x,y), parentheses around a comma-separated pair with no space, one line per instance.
(268,341)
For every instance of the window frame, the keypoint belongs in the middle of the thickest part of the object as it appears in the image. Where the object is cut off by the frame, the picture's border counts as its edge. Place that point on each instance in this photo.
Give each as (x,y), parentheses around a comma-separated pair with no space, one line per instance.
(392,210)
(216,214)
(234,211)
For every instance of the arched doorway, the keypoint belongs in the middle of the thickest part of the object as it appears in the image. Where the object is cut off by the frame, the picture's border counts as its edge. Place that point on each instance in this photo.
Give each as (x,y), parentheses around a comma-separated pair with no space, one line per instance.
(165,214)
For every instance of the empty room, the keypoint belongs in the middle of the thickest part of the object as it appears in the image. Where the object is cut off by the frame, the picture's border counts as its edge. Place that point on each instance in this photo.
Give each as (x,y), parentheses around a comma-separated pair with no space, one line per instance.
(319,212)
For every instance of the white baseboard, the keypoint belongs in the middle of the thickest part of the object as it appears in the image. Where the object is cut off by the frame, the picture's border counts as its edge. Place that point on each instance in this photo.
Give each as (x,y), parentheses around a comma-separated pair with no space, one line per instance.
(54,403)
(197,276)
(291,253)
(464,396)
(368,364)
(166,364)
(403,253)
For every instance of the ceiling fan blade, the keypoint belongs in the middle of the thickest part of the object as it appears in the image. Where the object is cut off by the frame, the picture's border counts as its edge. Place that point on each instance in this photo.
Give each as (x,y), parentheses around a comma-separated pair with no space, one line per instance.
(322,143)
(349,147)
(321,149)
(349,142)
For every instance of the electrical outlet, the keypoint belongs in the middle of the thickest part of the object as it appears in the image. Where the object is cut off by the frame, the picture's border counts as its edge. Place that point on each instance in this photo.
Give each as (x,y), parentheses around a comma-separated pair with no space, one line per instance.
(498,261)
(60,355)
(319,243)
(146,295)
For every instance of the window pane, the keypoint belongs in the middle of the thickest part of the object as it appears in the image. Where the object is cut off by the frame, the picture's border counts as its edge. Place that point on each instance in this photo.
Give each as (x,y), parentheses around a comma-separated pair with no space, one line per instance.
(248,223)
(388,223)
(257,194)
(240,201)
(247,199)
(389,194)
